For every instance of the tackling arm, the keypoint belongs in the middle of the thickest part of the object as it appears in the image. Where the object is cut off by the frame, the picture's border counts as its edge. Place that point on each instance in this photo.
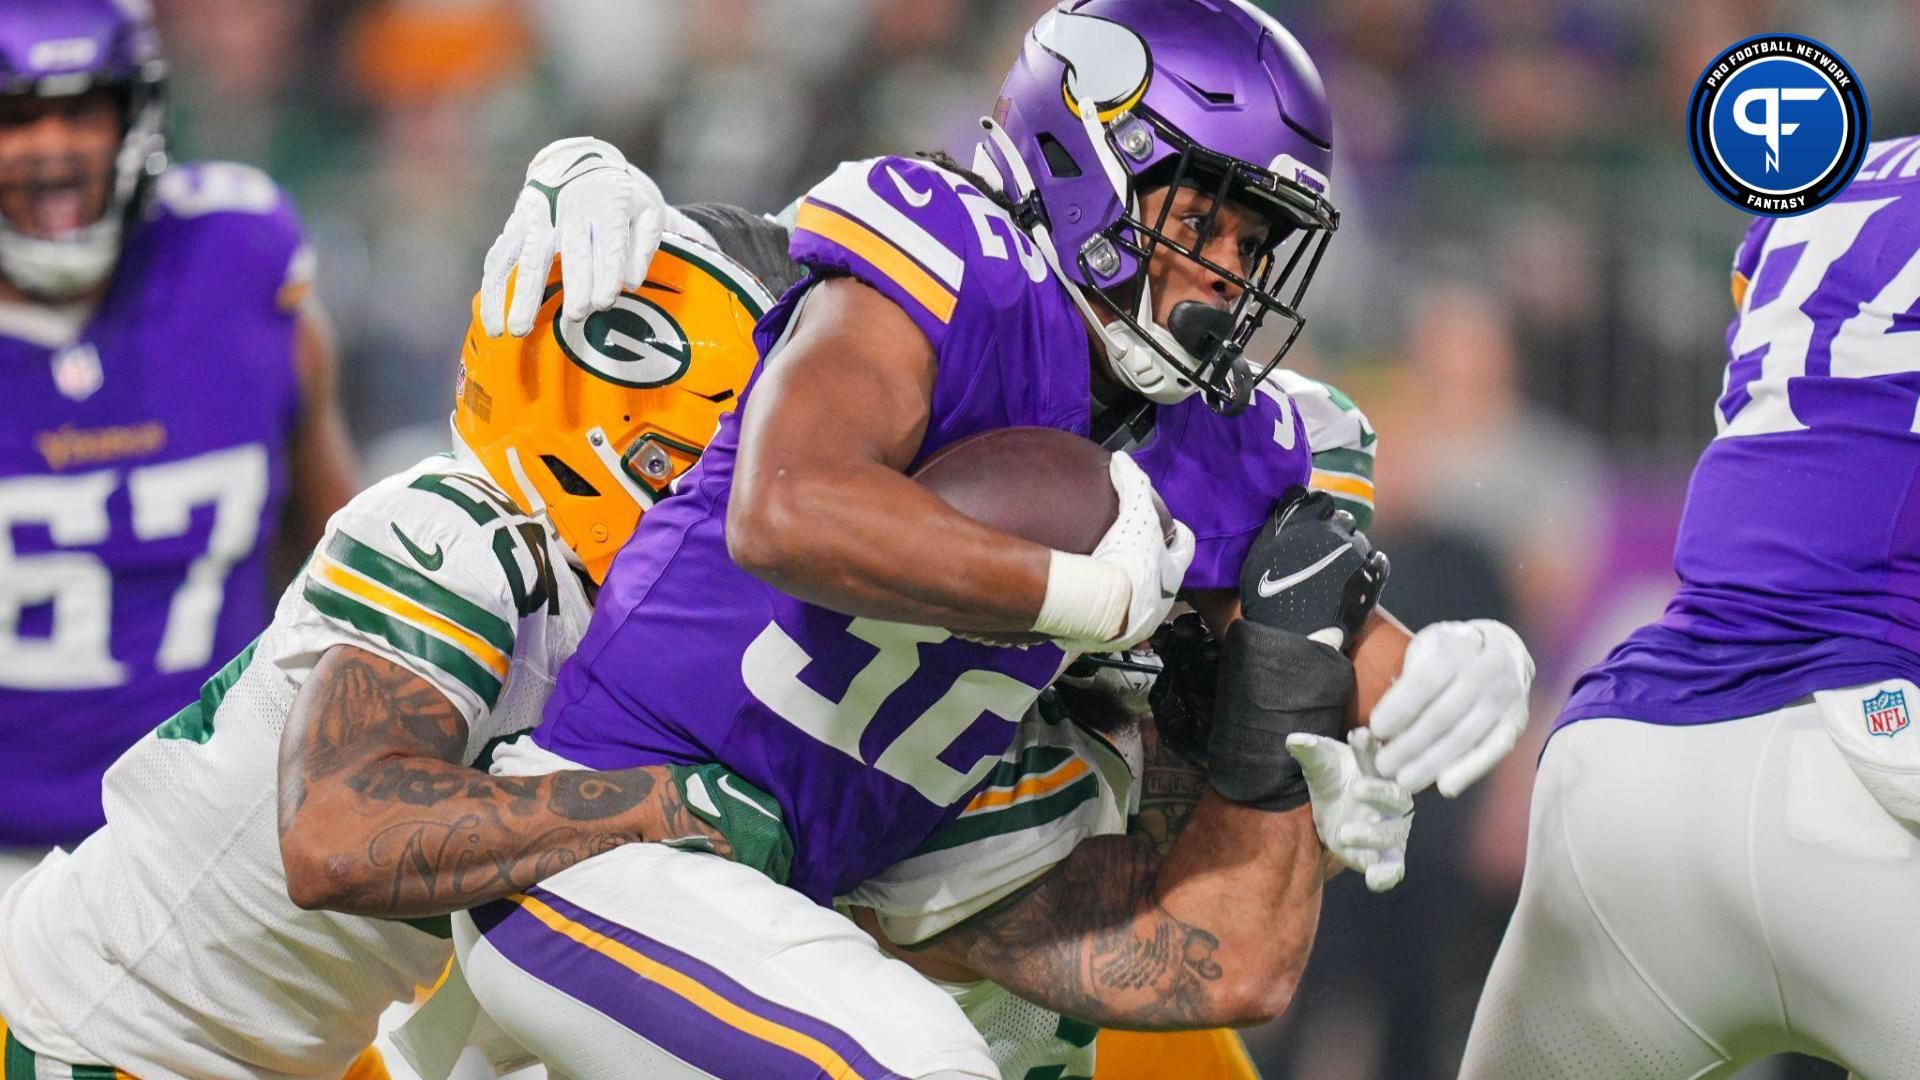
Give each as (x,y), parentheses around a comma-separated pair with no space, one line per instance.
(1378,649)
(378,817)
(1214,932)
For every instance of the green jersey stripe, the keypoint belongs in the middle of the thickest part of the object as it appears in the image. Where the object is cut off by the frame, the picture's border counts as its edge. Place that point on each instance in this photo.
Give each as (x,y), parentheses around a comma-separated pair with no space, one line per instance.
(1076,1032)
(440,926)
(1015,818)
(422,590)
(407,638)
(195,722)
(1033,761)
(1336,395)
(1356,462)
(475,508)
(18,1060)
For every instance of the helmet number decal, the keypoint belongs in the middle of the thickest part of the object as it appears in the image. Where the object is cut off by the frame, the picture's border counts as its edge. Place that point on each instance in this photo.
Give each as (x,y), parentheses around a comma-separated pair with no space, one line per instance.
(635,343)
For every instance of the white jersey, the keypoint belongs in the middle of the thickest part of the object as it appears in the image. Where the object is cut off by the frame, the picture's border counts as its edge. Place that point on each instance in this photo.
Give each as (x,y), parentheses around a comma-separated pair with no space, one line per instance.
(165,944)
(1057,785)
(1342,442)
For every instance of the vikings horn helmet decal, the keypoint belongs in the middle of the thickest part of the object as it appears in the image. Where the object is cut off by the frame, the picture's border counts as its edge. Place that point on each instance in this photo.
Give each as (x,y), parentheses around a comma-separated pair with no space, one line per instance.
(1112,98)
(1107,66)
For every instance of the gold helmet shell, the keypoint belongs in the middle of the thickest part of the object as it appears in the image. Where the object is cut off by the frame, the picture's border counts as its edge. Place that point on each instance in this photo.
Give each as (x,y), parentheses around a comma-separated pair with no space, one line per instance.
(591,422)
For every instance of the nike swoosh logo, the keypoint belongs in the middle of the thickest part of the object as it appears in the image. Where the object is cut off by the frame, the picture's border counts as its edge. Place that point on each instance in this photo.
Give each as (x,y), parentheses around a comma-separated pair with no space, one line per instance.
(698,795)
(1271,587)
(741,796)
(552,191)
(427,562)
(914,198)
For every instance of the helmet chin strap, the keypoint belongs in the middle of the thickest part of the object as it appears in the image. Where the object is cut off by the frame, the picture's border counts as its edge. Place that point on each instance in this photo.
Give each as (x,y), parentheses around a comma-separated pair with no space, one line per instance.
(1130,357)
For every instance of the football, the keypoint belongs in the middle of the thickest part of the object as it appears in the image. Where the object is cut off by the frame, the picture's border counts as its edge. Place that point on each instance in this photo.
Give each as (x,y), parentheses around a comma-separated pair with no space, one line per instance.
(1040,484)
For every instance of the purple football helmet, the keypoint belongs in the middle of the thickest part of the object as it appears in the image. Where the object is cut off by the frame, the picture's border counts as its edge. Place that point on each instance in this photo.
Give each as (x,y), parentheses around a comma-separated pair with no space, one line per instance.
(1111,98)
(60,48)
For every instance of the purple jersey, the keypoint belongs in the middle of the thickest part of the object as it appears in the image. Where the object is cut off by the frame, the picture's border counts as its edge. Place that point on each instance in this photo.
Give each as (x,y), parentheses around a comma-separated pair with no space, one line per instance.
(142,467)
(1799,552)
(872,735)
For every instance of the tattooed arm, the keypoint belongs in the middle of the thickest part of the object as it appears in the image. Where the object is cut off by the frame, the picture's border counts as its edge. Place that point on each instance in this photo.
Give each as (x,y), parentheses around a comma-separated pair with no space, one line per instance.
(379,817)
(1215,932)
(1170,787)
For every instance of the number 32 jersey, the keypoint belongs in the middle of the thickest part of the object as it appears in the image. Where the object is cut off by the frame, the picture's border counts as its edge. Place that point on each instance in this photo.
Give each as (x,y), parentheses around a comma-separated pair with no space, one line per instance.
(166,944)
(1799,552)
(872,735)
(142,469)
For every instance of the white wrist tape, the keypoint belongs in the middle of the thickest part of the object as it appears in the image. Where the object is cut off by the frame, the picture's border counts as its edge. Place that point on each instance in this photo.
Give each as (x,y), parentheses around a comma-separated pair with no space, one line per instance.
(1087,599)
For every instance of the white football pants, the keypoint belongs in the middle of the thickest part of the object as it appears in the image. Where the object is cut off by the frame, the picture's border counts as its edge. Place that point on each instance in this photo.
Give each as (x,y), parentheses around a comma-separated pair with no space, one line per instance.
(647,961)
(1697,898)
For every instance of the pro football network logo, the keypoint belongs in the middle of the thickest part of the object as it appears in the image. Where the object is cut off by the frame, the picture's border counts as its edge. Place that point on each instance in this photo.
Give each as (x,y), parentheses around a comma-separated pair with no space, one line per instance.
(1777,124)
(1887,713)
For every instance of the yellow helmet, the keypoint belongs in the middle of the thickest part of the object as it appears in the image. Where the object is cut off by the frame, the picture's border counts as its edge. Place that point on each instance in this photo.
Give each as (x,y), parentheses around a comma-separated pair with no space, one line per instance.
(591,422)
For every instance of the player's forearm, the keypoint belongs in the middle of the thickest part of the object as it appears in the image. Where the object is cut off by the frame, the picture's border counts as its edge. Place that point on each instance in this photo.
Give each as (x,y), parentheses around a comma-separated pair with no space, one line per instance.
(1217,933)
(379,817)
(409,837)
(1378,653)
(868,541)
(1378,650)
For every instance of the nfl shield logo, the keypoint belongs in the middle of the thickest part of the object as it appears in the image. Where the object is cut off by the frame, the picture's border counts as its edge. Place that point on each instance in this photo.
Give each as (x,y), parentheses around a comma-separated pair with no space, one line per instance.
(1887,713)
(76,371)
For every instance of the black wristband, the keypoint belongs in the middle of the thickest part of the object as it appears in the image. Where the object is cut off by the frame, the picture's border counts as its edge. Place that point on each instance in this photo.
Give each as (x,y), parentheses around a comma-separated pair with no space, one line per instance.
(1272,684)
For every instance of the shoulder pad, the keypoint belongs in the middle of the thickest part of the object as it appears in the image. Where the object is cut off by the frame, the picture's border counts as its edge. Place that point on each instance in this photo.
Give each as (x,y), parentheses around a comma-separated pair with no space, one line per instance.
(922,235)
(429,568)
(224,201)
(1332,420)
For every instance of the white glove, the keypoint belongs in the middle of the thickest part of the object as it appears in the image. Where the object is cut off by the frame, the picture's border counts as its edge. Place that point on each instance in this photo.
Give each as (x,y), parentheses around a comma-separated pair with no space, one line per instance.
(1362,819)
(1118,596)
(1457,707)
(604,218)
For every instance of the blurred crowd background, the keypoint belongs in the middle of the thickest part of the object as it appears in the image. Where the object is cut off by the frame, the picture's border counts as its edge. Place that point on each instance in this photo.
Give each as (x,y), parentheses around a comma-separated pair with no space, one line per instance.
(1528,293)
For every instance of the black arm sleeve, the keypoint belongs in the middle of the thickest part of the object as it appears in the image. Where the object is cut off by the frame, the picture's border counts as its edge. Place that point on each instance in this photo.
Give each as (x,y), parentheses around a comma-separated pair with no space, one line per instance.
(1272,684)
(755,242)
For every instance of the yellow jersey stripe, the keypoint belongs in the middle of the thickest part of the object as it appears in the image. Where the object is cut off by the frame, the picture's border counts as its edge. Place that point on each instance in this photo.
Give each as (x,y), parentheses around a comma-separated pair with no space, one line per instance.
(392,603)
(690,989)
(1740,284)
(1031,787)
(885,257)
(1353,487)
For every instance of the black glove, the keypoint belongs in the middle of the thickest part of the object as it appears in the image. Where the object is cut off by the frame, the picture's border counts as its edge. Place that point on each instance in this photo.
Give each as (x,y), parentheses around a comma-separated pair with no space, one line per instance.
(1312,569)
(1182,696)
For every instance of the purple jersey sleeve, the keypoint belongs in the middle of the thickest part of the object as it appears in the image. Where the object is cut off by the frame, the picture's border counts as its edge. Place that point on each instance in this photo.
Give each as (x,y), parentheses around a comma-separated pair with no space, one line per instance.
(1223,475)
(1009,347)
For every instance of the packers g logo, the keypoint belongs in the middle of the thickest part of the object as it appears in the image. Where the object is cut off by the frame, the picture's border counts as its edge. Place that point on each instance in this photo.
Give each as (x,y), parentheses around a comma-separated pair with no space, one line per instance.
(1777,125)
(634,343)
